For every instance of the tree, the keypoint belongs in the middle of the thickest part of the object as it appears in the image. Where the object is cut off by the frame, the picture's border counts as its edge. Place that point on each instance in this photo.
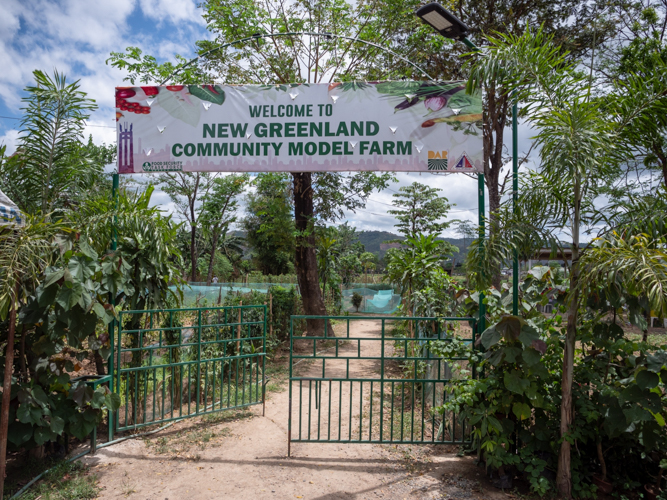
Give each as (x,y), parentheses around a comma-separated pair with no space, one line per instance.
(419,208)
(574,24)
(369,261)
(186,190)
(269,223)
(219,211)
(282,60)
(50,168)
(326,255)
(646,55)
(579,140)
(467,230)
(24,254)
(412,267)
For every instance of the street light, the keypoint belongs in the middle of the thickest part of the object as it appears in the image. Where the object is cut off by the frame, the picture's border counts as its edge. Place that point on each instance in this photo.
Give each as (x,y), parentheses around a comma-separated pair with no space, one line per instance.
(443,21)
(450,26)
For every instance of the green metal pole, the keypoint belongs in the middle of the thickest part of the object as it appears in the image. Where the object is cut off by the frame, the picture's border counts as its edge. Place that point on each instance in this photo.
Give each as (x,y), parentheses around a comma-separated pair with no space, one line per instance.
(515,196)
(481,207)
(112,300)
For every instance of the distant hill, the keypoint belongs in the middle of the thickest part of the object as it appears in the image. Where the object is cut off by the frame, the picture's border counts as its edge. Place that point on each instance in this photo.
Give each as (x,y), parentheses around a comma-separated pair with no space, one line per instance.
(373,239)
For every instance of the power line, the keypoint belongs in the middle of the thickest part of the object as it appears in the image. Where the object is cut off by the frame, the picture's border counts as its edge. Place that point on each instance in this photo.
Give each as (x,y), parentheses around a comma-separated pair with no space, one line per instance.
(87,125)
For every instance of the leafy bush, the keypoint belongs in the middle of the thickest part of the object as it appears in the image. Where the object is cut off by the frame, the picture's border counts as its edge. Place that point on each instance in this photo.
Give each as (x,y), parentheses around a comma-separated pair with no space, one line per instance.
(619,397)
(357,299)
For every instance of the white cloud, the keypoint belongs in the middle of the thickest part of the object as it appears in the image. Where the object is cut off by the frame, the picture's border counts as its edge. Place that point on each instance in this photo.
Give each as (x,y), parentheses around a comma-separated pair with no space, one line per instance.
(11,140)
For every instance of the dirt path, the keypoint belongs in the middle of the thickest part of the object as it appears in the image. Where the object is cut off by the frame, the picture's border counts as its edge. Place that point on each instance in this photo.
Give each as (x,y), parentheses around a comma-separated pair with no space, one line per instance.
(215,457)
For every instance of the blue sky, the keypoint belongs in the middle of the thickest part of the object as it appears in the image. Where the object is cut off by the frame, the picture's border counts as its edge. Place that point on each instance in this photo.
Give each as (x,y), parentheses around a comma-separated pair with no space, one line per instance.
(76,37)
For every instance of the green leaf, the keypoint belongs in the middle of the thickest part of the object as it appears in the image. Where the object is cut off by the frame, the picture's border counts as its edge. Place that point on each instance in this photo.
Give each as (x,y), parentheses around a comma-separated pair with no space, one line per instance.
(53,277)
(69,295)
(19,433)
(656,362)
(647,379)
(98,398)
(112,401)
(531,356)
(490,337)
(57,425)
(42,435)
(210,93)
(528,335)
(515,382)
(521,410)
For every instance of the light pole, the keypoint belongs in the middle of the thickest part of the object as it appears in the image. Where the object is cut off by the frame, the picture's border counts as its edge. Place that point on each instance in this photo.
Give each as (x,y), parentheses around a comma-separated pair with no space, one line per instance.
(450,26)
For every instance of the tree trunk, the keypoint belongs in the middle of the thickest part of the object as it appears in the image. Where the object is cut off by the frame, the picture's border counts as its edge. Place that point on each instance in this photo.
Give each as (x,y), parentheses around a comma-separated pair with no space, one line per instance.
(99,363)
(6,395)
(214,244)
(306,258)
(22,364)
(494,131)
(564,475)
(193,252)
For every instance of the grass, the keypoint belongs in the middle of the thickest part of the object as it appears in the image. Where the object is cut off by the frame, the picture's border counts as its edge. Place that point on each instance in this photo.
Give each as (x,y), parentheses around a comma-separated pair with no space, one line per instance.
(201,434)
(66,481)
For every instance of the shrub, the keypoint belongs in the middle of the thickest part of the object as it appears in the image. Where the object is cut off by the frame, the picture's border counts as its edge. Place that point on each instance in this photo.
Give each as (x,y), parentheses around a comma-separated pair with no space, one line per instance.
(357,298)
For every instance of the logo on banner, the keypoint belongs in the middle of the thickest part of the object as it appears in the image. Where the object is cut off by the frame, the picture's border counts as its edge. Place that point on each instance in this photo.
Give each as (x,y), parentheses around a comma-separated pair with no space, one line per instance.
(463,163)
(437,160)
(162,166)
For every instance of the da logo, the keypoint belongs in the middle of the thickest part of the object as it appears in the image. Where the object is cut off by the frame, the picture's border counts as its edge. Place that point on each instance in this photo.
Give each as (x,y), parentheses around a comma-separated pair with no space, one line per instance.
(146,166)
(437,160)
(463,163)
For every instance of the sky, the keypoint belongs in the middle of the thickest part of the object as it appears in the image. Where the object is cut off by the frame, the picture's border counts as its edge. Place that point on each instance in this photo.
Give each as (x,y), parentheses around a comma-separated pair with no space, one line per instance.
(76,37)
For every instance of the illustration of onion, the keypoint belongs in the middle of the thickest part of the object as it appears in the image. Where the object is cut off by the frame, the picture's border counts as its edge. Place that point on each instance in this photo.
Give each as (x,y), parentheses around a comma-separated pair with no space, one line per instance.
(406,104)
(435,103)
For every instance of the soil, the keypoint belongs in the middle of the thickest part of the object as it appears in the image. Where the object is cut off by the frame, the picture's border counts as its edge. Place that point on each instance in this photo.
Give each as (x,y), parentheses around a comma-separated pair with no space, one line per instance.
(241,455)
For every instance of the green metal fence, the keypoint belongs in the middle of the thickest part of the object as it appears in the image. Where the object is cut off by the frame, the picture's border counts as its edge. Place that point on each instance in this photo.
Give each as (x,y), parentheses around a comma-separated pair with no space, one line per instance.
(379,384)
(177,363)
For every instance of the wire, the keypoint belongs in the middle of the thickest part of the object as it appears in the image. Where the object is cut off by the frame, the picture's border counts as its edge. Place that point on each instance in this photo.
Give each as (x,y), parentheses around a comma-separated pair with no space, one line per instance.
(87,125)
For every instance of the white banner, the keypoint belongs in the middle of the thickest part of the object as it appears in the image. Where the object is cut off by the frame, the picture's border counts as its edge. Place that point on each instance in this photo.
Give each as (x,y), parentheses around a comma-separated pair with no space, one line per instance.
(401,126)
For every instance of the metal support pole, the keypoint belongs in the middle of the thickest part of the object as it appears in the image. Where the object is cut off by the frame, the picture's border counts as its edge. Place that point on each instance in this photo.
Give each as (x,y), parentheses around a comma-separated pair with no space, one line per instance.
(112,300)
(481,208)
(515,196)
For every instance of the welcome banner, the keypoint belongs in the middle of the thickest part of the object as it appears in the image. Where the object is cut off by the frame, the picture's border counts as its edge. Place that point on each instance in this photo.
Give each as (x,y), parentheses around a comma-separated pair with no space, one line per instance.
(401,126)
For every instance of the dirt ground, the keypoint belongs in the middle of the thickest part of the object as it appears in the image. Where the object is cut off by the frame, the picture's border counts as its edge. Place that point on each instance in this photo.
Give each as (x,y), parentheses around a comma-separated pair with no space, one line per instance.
(244,455)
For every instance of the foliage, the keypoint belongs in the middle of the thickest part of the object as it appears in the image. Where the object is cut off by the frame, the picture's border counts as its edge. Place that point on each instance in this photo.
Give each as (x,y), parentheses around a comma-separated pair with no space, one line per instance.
(186,190)
(220,205)
(619,398)
(269,223)
(418,210)
(415,266)
(357,299)
(51,167)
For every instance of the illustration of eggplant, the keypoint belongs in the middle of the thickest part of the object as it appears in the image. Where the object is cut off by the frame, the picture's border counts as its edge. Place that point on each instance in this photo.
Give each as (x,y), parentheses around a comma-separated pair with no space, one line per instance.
(408,103)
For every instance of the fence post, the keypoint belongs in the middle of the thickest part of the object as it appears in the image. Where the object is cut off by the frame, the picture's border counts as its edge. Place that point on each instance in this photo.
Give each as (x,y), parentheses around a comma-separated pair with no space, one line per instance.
(270,314)
(238,330)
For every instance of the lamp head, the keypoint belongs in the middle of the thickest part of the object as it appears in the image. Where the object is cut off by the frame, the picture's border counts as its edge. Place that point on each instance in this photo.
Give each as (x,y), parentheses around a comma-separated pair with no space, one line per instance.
(443,21)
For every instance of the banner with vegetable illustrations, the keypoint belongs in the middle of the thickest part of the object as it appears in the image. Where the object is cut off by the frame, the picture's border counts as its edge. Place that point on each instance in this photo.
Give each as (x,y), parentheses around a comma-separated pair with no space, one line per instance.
(384,126)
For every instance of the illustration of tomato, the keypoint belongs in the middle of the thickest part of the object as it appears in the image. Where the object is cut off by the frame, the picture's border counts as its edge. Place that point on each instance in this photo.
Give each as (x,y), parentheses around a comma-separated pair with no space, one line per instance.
(175,88)
(150,91)
(125,93)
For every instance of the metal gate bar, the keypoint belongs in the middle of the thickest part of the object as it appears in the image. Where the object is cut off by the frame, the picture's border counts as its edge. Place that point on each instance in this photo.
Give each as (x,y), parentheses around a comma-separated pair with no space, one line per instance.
(176,363)
(396,406)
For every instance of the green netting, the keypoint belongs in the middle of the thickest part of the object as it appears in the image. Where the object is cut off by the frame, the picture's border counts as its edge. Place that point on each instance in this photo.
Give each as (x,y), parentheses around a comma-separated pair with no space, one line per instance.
(377,298)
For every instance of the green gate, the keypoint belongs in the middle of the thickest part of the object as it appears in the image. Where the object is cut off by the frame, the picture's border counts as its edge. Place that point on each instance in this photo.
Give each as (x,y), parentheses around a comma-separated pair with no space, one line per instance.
(177,363)
(379,385)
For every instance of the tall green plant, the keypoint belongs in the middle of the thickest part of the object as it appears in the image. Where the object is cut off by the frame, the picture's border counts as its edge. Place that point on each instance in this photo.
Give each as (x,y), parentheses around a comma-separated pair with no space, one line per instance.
(578,142)
(51,168)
